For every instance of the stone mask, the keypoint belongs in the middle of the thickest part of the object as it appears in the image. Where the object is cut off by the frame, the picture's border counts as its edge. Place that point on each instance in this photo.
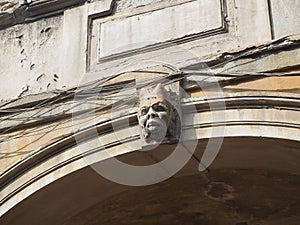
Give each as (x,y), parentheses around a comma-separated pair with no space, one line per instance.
(155,114)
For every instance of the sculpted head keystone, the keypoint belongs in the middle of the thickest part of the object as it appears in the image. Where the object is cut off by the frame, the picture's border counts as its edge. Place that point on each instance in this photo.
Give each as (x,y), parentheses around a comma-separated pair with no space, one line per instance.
(156,115)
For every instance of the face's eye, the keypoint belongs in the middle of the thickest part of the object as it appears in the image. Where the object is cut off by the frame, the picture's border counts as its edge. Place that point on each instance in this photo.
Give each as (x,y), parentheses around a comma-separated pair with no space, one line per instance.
(160,107)
(144,111)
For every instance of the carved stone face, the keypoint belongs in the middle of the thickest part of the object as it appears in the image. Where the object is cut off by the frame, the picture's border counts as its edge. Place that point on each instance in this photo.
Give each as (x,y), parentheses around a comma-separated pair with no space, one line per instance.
(154,114)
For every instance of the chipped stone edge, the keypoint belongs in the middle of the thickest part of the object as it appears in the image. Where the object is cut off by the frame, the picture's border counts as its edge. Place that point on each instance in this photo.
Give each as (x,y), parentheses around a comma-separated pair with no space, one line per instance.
(36,10)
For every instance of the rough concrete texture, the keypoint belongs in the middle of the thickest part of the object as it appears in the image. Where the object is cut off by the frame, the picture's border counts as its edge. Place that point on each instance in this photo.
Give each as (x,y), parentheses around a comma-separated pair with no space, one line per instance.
(8,5)
(56,52)
(31,57)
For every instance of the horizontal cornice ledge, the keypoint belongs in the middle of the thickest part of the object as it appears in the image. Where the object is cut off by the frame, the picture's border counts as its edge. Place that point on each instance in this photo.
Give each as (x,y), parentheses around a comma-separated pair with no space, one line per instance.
(36,10)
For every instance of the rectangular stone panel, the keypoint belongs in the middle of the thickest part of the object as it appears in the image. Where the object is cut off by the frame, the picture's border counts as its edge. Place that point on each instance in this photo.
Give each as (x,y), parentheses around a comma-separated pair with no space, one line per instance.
(183,22)
(285,17)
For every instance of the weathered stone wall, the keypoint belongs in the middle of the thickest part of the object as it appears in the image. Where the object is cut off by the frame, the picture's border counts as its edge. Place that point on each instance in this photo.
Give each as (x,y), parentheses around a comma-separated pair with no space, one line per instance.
(285,17)
(8,5)
(62,51)
(38,133)
(30,57)
(129,4)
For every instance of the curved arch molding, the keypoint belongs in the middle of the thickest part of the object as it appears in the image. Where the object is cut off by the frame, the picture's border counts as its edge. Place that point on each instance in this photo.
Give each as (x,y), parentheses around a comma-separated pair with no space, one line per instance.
(247,114)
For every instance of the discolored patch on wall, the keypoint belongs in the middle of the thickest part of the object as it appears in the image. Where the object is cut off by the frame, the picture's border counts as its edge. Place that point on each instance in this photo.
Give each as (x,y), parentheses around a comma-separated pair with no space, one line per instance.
(219,191)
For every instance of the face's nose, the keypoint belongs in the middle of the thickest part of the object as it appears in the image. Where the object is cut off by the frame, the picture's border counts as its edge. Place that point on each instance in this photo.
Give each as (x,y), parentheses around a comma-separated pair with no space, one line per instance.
(152,114)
